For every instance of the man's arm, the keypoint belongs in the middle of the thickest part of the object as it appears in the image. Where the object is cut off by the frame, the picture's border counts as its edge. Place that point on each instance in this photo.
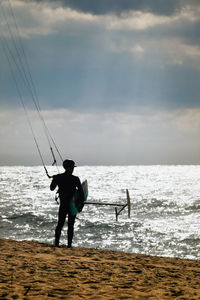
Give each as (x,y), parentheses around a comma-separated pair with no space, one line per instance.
(53,184)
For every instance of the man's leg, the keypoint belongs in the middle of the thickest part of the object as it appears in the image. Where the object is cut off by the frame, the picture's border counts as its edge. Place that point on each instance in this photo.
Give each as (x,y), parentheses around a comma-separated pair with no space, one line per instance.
(70,233)
(61,221)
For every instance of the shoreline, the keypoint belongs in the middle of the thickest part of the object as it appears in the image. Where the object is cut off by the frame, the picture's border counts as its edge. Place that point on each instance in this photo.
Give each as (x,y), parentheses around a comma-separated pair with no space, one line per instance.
(35,270)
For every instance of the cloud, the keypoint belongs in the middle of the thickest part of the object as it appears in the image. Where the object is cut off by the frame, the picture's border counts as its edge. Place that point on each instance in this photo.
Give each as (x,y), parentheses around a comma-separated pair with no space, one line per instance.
(40,18)
(188,122)
(119,6)
(43,18)
(118,81)
(144,137)
(137,20)
(108,62)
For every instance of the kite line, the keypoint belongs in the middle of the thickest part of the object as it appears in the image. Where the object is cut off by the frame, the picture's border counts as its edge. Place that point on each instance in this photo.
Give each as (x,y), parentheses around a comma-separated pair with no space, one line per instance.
(17,60)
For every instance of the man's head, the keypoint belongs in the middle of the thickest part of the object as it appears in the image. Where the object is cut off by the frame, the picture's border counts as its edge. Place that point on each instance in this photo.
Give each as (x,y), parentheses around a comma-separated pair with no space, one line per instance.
(69,165)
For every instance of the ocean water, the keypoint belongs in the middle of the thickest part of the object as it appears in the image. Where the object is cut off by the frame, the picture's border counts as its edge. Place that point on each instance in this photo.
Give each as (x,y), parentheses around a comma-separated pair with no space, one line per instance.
(165,208)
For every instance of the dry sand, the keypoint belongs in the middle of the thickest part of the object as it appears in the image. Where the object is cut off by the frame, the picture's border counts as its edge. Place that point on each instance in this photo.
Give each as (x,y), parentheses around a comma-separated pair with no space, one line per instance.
(33,270)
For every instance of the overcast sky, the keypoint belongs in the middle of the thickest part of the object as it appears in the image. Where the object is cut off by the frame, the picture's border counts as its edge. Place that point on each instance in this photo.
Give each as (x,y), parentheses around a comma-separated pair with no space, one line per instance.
(118,81)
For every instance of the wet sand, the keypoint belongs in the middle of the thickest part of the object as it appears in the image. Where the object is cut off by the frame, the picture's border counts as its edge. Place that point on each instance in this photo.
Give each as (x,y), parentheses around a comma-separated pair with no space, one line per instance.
(33,270)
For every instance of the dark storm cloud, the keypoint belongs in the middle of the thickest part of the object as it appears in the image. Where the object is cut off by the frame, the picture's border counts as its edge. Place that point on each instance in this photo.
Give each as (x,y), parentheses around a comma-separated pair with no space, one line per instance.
(118,6)
(101,7)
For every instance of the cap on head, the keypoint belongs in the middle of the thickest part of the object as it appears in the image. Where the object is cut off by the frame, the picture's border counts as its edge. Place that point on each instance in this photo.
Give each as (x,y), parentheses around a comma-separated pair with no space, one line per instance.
(68,163)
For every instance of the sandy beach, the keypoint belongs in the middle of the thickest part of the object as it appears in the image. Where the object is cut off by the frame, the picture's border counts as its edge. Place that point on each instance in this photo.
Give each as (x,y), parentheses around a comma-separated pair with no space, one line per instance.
(33,270)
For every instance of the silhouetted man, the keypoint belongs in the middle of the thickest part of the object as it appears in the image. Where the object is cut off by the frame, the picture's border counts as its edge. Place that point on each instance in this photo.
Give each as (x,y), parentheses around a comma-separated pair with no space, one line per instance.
(67,184)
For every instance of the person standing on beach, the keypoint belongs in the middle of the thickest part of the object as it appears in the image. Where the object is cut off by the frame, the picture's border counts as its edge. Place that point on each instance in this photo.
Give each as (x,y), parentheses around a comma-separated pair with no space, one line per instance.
(67,184)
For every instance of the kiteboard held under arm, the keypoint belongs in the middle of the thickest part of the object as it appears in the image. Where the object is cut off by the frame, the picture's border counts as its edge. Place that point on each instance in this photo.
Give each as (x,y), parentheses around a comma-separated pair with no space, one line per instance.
(74,204)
